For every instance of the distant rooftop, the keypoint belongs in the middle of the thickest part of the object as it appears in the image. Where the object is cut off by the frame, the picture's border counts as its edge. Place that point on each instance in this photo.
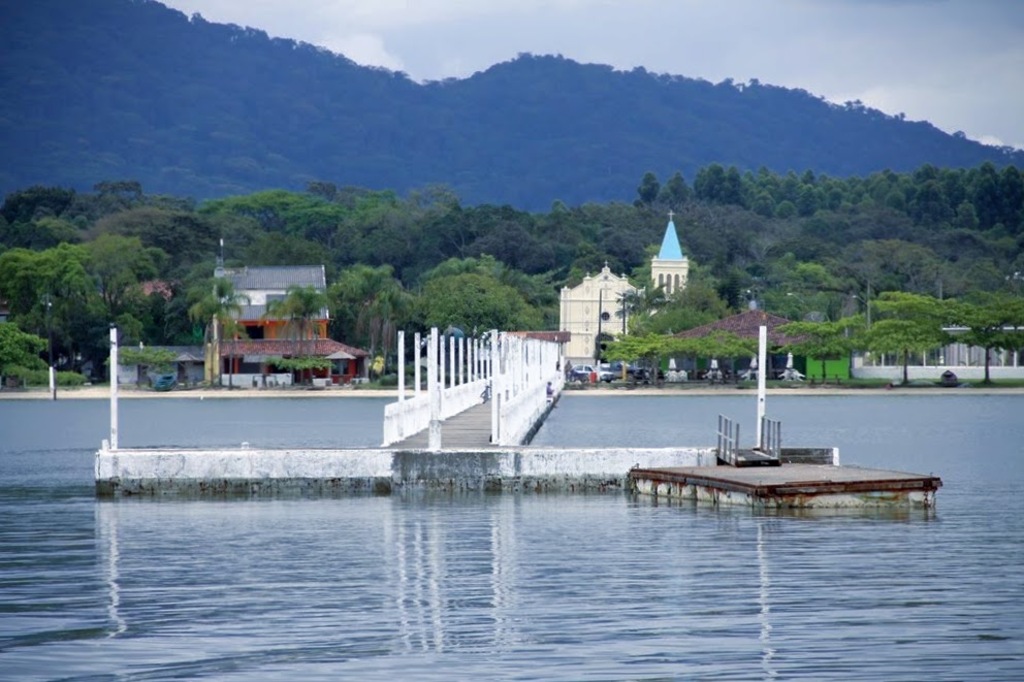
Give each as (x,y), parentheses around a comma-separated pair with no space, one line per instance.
(276,277)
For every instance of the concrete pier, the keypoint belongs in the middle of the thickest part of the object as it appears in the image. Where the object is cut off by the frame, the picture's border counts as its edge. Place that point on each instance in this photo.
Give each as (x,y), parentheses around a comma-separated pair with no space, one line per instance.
(252,472)
(520,397)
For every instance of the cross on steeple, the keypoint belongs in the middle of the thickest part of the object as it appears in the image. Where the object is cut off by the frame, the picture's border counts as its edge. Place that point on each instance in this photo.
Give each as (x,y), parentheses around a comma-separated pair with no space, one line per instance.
(670,214)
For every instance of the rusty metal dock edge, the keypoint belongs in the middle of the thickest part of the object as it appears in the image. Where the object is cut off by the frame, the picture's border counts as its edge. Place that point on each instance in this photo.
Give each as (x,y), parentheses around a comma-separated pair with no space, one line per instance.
(257,472)
(810,486)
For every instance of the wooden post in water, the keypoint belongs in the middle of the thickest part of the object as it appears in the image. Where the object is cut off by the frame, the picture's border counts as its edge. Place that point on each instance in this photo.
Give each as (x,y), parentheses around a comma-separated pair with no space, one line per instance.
(113,387)
(762,357)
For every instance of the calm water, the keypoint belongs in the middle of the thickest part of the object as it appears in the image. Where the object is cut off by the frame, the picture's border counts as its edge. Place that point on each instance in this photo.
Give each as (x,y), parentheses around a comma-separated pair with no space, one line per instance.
(528,587)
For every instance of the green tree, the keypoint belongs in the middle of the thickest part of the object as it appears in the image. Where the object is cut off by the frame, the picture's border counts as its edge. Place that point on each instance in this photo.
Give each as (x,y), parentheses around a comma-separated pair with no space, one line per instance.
(369,304)
(992,320)
(144,358)
(648,348)
(822,340)
(474,301)
(74,316)
(639,307)
(675,192)
(119,266)
(717,344)
(697,304)
(19,349)
(186,237)
(301,305)
(648,189)
(218,307)
(35,202)
(912,323)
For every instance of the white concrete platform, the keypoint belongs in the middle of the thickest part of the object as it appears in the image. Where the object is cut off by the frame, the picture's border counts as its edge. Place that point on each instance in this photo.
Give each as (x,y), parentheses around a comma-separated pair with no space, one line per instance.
(254,472)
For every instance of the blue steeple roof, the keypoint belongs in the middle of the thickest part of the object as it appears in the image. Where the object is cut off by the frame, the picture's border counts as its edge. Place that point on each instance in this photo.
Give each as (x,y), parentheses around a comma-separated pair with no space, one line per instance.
(670,249)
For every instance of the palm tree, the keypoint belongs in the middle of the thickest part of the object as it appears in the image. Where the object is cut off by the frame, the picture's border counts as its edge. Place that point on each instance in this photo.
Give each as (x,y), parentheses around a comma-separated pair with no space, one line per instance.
(639,305)
(300,304)
(375,301)
(221,306)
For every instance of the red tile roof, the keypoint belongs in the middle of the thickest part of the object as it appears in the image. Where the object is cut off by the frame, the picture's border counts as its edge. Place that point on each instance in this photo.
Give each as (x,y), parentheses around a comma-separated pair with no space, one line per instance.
(288,348)
(745,325)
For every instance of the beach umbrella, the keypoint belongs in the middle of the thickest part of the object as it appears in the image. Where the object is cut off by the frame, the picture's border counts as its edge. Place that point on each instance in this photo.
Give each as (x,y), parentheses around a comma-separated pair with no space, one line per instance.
(672,364)
(789,361)
(753,362)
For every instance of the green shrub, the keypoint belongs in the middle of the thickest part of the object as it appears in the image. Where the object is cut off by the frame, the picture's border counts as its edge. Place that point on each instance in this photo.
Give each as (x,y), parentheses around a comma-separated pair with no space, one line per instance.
(70,379)
(41,377)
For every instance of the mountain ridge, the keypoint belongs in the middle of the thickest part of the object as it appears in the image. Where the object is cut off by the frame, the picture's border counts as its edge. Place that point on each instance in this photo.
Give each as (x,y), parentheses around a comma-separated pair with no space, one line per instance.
(95,90)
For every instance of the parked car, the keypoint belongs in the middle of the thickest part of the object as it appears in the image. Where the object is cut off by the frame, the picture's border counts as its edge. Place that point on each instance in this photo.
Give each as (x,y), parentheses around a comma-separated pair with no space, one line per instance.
(581,373)
(606,374)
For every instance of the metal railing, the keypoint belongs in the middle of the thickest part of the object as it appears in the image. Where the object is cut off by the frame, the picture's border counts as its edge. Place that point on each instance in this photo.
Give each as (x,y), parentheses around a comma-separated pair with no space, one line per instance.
(728,438)
(771,437)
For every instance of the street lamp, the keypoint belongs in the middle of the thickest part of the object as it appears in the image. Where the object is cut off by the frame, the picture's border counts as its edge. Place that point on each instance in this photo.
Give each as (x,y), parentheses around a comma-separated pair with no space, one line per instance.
(49,333)
(867,307)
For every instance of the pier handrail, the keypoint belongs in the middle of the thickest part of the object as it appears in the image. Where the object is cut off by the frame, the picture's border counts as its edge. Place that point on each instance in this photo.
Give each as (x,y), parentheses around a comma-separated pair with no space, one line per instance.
(771,437)
(728,438)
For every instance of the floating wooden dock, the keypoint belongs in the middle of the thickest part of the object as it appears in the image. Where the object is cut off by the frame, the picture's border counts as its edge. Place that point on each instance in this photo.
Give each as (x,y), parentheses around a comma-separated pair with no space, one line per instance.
(789,485)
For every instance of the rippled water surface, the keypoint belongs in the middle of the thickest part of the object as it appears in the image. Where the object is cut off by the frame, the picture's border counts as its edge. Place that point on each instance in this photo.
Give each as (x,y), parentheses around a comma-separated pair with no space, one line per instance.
(545,587)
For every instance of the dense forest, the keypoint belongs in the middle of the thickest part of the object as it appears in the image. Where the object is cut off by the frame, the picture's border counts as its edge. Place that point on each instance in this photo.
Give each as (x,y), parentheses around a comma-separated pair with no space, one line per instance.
(99,89)
(805,246)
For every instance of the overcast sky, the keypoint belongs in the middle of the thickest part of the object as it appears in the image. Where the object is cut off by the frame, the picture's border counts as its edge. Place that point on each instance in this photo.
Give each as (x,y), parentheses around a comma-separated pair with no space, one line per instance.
(956,63)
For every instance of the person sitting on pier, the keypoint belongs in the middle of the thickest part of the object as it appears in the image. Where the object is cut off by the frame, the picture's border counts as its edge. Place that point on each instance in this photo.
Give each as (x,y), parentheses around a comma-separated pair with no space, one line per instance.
(550,392)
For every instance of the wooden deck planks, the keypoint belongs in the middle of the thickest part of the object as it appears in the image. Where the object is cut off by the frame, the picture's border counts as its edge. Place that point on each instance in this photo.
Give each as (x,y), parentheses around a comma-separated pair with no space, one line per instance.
(790,480)
(468,429)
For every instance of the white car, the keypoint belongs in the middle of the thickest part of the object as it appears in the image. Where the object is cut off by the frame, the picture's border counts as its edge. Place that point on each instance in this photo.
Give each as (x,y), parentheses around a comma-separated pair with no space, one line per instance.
(581,373)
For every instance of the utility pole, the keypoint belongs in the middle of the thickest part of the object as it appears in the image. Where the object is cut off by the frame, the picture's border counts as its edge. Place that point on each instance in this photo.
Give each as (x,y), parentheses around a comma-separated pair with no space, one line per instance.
(49,333)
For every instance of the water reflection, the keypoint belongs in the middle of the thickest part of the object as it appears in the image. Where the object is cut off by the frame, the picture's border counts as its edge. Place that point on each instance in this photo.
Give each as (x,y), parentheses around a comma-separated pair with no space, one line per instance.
(110,557)
(768,653)
(552,587)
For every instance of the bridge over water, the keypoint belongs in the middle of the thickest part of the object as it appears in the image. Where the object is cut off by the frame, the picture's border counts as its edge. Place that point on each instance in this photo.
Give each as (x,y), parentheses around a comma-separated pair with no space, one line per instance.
(489,391)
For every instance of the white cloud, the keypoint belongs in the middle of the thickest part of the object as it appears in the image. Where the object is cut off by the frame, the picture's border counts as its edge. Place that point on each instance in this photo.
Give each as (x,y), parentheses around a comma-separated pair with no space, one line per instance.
(365,49)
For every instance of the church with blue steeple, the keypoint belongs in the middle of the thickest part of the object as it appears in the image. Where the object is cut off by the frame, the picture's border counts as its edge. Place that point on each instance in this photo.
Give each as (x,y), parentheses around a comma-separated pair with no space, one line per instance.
(670,268)
(595,309)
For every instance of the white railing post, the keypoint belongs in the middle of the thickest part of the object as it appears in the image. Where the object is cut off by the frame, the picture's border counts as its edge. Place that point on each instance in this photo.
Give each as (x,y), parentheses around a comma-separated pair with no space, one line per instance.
(439,357)
(416,369)
(434,389)
(401,366)
(462,360)
(762,367)
(113,387)
(452,376)
(494,371)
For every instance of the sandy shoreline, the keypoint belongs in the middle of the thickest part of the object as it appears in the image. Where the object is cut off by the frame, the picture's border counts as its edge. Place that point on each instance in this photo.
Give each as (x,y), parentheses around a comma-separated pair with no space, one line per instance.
(103,392)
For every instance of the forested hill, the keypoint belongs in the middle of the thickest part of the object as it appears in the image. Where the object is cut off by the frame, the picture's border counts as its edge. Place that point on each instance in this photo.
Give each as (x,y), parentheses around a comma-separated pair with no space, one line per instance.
(94,90)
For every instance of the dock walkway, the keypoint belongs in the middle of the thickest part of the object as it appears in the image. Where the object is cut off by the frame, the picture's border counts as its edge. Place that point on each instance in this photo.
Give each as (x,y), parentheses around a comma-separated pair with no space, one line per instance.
(470,429)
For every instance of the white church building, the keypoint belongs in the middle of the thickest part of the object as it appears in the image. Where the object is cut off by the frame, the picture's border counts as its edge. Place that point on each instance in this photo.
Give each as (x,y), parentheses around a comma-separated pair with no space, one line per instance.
(596,308)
